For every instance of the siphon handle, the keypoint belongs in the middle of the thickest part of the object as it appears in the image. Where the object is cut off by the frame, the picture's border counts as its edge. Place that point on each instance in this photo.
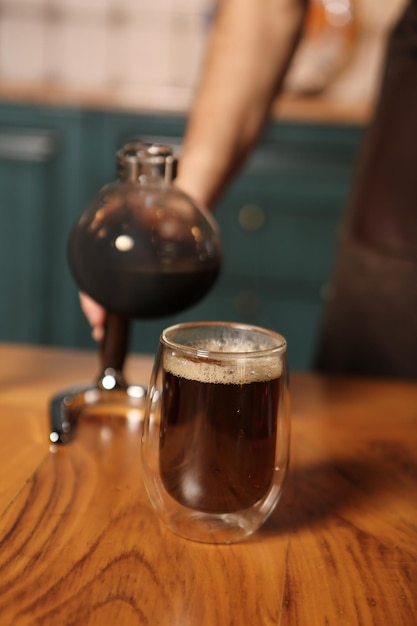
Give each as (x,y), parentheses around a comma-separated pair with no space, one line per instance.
(113,352)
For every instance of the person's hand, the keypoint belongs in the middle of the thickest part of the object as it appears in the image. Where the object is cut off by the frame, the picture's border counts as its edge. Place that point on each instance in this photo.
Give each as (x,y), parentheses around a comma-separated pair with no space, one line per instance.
(95,315)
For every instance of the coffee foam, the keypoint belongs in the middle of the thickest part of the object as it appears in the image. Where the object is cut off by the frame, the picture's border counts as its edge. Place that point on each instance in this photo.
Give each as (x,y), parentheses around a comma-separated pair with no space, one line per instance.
(235,371)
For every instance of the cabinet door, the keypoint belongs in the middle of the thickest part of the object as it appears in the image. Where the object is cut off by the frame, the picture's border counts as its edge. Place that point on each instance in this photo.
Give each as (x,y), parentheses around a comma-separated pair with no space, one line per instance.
(24,162)
(280,221)
(39,194)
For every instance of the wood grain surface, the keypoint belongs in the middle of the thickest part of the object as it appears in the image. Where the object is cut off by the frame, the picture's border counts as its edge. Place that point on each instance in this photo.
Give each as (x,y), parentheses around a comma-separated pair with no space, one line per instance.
(81,545)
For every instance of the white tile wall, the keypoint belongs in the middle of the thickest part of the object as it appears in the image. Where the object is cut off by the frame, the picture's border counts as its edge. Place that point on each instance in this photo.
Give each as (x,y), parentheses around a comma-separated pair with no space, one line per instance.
(22,48)
(77,50)
(25,3)
(143,49)
(186,48)
(99,43)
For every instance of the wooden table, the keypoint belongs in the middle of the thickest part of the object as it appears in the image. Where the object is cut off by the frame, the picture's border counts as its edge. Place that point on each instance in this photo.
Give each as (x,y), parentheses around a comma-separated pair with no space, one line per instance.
(81,545)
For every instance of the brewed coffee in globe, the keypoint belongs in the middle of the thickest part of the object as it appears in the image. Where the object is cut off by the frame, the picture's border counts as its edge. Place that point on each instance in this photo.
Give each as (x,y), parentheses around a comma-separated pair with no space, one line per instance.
(143,249)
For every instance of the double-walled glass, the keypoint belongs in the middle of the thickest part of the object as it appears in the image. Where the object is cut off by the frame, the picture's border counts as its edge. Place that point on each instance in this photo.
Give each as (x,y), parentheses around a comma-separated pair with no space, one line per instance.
(215,444)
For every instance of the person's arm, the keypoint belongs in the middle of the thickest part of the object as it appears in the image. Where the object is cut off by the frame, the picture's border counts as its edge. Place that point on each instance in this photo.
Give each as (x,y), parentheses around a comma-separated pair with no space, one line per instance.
(249,49)
(248,52)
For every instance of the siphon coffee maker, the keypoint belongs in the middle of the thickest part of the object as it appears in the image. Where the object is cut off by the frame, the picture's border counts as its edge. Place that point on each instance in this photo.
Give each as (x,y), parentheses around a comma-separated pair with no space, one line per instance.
(143,250)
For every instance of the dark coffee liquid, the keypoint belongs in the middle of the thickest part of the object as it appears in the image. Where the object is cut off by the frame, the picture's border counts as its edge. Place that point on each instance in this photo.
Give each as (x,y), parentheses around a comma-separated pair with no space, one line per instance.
(147,295)
(132,275)
(217,448)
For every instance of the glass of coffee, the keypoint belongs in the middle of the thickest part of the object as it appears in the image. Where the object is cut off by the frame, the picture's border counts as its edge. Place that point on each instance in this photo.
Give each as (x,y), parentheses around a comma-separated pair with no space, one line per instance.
(215,444)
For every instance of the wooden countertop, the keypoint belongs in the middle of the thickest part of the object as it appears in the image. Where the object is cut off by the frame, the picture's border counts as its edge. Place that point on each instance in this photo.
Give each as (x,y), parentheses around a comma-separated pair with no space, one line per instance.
(170,101)
(80,543)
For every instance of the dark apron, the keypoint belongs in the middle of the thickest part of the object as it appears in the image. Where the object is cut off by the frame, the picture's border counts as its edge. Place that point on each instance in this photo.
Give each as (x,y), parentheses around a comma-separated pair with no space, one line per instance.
(370,321)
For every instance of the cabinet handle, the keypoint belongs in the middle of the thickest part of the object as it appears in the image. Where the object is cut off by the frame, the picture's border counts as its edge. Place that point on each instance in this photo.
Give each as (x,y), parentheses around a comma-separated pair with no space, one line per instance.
(251,217)
(32,146)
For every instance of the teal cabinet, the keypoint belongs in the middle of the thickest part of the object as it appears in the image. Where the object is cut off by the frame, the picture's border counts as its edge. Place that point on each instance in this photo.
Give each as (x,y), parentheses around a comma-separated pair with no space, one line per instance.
(278,221)
(40,189)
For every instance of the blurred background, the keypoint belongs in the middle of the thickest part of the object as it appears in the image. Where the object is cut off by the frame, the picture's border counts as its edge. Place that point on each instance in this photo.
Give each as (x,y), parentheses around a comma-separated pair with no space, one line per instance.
(158,45)
(95,44)
(80,77)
